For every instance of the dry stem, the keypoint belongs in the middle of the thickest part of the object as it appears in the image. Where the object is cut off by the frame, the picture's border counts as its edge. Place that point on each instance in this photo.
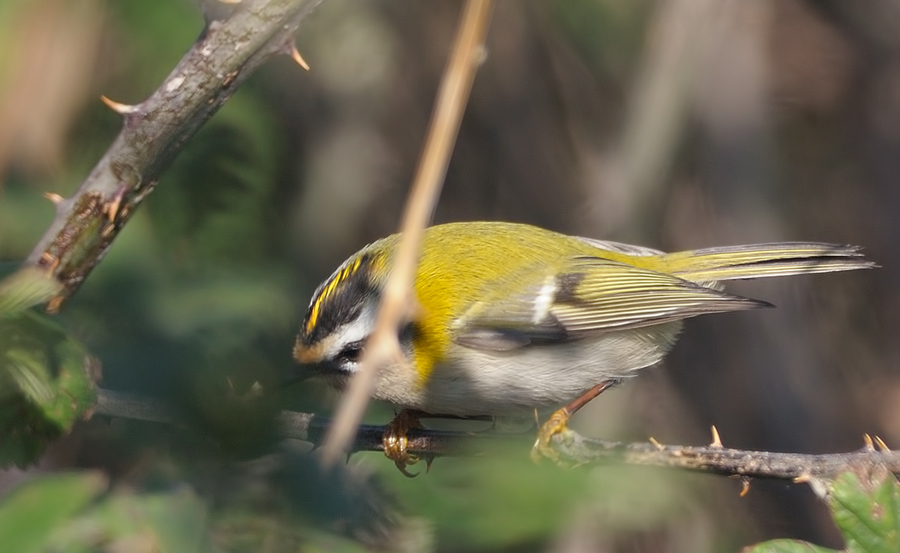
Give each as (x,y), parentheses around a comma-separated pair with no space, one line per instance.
(383,347)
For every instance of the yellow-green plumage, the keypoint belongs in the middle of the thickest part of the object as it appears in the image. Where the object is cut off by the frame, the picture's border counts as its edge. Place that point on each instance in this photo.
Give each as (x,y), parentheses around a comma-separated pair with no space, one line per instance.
(511,317)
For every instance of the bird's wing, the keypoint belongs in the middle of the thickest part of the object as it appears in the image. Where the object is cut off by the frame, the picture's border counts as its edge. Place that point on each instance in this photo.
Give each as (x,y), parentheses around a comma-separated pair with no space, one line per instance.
(591,296)
(619,247)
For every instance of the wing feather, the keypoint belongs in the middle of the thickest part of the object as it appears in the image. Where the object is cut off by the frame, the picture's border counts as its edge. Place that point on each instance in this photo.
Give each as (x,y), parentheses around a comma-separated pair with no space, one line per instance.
(592,296)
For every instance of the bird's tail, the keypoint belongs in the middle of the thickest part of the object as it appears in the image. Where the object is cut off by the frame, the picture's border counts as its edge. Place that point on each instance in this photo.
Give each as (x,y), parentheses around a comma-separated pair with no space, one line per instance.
(764,260)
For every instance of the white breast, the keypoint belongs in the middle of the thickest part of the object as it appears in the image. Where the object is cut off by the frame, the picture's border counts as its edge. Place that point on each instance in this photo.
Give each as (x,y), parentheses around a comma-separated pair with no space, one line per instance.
(479,382)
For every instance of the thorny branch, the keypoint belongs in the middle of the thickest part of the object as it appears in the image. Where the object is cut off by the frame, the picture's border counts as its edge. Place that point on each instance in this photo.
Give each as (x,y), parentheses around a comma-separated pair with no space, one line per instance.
(155,130)
(573,449)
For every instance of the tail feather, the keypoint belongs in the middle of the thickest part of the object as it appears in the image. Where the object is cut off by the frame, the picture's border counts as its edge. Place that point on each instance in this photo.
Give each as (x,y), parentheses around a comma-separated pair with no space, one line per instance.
(764,260)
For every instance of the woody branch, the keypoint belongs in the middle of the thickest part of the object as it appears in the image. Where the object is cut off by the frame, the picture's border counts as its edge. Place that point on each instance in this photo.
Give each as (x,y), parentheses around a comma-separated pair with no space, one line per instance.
(573,449)
(156,129)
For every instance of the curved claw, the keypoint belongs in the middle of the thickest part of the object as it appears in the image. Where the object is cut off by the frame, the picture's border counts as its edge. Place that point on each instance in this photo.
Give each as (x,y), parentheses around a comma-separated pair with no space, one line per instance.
(401,466)
(395,443)
(556,424)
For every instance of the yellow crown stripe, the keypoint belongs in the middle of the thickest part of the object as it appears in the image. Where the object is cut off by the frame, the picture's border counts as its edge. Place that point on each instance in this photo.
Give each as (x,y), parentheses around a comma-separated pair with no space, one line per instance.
(313,316)
(328,290)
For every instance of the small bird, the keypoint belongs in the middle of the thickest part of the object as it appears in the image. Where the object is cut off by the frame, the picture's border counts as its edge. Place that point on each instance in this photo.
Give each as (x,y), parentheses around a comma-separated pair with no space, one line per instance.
(510,318)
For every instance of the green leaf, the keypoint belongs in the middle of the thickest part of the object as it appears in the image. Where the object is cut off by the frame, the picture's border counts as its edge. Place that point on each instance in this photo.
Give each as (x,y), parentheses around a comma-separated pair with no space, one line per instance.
(868,512)
(787,546)
(31,512)
(173,521)
(27,287)
(58,513)
(27,370)
(46,385)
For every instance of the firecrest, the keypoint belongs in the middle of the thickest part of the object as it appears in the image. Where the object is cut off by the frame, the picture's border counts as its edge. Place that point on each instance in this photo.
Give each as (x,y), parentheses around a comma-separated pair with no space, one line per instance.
(511,318)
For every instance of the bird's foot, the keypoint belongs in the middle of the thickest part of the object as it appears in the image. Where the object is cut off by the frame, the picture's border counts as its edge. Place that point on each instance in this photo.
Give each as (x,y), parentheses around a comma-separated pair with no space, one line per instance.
(556,424)
(396,443)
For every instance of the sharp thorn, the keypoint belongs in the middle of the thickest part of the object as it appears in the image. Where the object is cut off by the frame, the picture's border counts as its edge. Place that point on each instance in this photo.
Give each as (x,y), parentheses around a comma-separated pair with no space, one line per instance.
(230,1)
(745,486)
(869,445)
(54,305)
(51,261)
(881,445)
(656,444)
(295,55)
(817,486)
(716,440)
(53,197)
(121,109)
(111,208)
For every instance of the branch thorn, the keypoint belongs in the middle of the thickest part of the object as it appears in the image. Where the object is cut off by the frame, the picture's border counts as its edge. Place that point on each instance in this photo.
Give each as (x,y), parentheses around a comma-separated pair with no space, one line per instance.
(54,304)
(50,260)
(295,55)
(745,484)
(656,443)
(53,197)
(869,445)
(881,445)
(816,485)
(111,207)
(121,109)
(716,440)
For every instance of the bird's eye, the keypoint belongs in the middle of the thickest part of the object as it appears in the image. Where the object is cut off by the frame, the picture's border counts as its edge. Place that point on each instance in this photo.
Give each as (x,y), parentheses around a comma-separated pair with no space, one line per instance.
(351,353)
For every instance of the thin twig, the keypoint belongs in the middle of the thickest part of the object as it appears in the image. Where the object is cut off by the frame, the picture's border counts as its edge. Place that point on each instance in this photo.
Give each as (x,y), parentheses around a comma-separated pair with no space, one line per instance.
(576,449)
(312,428)
(155,130)
(573,449)
(383,347)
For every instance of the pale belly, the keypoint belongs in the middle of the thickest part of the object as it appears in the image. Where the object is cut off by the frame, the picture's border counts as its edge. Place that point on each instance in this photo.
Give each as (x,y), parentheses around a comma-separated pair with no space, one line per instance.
(478,382)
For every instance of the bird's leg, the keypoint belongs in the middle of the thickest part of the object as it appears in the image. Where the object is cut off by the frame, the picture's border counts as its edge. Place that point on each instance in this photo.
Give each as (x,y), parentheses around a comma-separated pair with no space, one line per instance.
(557,421)
(395,441)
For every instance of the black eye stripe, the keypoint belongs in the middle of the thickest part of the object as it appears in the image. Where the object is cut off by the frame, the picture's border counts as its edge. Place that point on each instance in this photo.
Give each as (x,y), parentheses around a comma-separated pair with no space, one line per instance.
(351,352)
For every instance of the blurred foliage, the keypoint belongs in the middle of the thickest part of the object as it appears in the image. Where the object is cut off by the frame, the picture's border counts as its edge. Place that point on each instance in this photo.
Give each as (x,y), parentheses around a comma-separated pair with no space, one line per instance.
(67,513)
(46,377)
(789,132)
(30,514)
(866,510)
(25,288)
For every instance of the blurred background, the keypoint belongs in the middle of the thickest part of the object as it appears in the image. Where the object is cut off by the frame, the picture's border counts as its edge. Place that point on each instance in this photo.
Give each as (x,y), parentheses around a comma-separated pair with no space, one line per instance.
(675,124)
